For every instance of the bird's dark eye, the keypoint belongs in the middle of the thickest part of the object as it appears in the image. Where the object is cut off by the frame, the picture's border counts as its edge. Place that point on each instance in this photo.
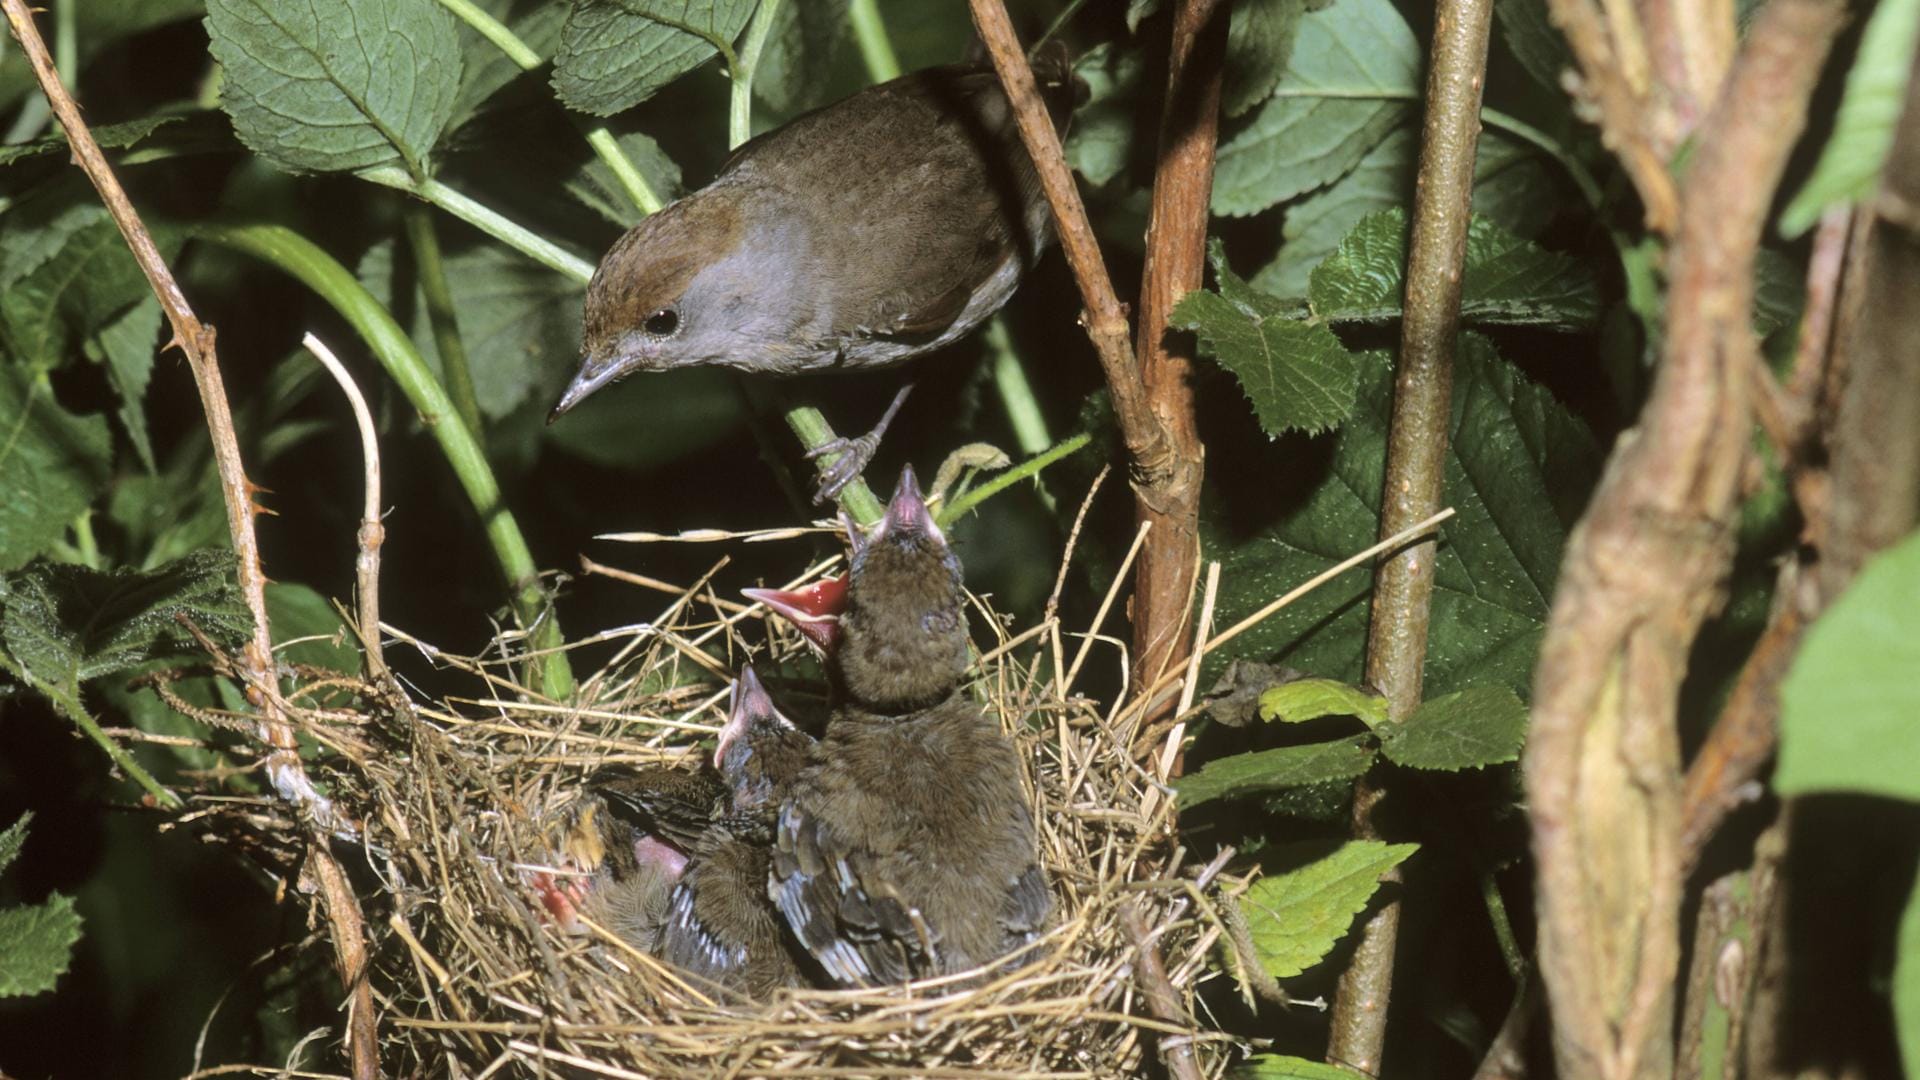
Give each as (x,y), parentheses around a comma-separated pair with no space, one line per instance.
(662,322)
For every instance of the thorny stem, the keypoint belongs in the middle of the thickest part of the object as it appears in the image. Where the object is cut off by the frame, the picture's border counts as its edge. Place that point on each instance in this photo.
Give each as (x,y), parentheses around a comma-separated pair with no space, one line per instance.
(432,272)
(1416,466)
(196,340)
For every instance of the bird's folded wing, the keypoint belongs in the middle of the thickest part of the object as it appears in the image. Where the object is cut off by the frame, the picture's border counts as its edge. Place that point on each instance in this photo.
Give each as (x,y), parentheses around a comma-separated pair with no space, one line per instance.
(676,805)
(843,915)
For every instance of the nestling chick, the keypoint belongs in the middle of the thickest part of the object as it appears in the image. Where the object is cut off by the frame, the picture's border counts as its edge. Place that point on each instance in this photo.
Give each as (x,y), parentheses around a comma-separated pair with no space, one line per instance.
(857,236)
(906,847)
(624,877)
(719,924)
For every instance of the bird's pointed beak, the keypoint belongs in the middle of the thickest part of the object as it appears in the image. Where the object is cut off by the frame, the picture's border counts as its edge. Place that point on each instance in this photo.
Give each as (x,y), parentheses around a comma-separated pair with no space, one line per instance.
(814,610)
(750,702)
(907,511)
(593,375)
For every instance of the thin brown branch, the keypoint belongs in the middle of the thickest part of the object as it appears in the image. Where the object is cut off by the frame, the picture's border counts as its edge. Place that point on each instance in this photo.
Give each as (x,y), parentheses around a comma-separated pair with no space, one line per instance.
(1105,318)
(350,956)
(1416,467)
(1175,266)
(1614,89)
(1176,1052)
(1643,570)
(196,340)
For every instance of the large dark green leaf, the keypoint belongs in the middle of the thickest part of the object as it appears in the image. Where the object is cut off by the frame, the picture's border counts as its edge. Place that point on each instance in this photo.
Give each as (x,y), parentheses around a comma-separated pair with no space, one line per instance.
(1271,770)
(51,465)
(1355,66)
(1468,729)
(36,940)
(796,67)
(337,85)
(1519,468)
(81,280)
(1260,37)
(614,54)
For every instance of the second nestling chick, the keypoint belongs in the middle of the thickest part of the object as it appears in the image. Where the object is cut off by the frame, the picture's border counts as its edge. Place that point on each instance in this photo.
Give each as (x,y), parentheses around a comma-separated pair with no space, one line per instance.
(719,924)
(906,848)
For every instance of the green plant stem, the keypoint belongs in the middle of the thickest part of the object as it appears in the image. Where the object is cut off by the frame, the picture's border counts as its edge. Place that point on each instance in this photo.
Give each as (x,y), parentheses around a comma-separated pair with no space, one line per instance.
(1016,393)
(812,428)
(85,546)
(1027,468)
(740,113)
(1503,935)
(870,33)
(319,271)
(485,219)
(69,706)
(446,327)
(632,182)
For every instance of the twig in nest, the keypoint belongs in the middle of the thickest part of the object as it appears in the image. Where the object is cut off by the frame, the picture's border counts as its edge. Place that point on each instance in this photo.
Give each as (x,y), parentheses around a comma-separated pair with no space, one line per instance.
(366,562)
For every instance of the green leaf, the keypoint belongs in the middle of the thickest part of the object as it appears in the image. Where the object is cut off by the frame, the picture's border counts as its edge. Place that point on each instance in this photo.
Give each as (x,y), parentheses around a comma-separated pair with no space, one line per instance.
(51,465)
(1271,770)
(615,54)
(1850,707)
(1310,699)
(593,184)
(1296,373)
(127,346)
(1906,985)
(1468,729)
(89,279)
(1512,185)
(1282,1067)
(1540,48)
(36,945)
(796,69)
(1850,164)
(1260,37)
(1101,138)
(110,136)
(337,85)
(64,624)
(298,612)
(1355,66)
(519,320)
(1518,471)
(96,27)
(1297,917)
(1508,280)
(36,941)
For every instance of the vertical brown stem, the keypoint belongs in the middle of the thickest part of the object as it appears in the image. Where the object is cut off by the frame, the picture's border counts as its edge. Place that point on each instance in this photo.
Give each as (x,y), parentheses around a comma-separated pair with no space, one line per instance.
(1175,265)
(1416,466)
(1642,571)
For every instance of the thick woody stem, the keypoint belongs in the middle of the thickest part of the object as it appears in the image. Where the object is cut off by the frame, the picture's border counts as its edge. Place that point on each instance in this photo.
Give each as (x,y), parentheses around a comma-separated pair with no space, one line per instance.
(1175,265)
(1416,466)
(1642,571)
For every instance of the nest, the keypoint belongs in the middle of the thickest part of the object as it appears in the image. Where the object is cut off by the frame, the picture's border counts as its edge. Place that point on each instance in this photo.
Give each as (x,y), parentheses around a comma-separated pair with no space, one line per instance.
(457,801)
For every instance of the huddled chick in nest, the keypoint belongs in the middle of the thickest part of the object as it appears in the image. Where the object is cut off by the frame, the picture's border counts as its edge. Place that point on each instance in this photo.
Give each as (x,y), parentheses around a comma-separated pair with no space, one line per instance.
(898,846)
(906,848)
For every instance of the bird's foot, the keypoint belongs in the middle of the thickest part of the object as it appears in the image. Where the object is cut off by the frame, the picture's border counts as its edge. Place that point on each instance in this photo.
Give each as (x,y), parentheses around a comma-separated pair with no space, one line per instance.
(854,453)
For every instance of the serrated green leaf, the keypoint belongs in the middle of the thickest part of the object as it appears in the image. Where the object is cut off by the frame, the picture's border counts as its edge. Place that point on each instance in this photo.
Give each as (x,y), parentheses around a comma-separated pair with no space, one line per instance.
(1512,185)
(795,69)
(36,945)
(14,839)
(1282,1067)
(1518,472)
(1530,35)
(1507,279)
(1850,707)
(1906,984)
(1850,164)
(1355,66)
(1468,729)
(1101,138)
(337,85)
(109,136)
(47,312)
(1271,770)
(1297,917)
(520,321)
(614,54)
(64,624)
(1310,699)
(1296,373)
(127,346)
(51,465)
(1260,37)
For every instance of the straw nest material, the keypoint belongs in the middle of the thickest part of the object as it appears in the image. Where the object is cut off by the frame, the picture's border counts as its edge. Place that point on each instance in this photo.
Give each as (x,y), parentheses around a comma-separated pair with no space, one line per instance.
(458,801)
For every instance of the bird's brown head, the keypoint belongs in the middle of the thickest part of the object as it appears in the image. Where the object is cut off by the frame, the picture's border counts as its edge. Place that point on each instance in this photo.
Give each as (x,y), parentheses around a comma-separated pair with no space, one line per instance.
(903,635)
(705,280)
(760,750)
